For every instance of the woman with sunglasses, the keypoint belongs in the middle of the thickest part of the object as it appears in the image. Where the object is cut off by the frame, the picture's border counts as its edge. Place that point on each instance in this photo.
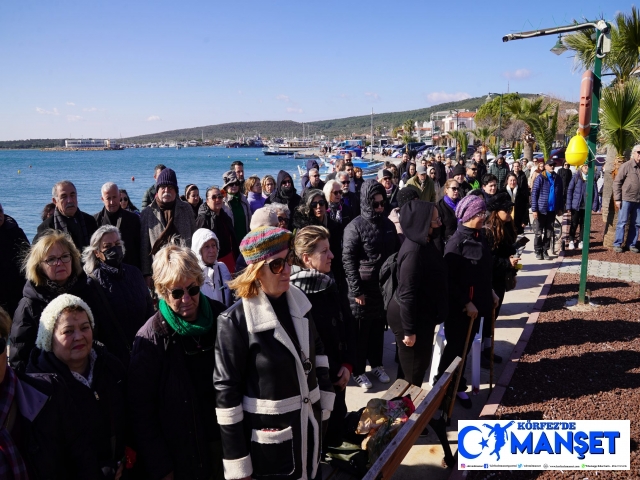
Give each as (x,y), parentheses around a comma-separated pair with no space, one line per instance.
(170,392)
(214,215)
(125,202)
(271,374)
(52,267)
(469,266)
(447,209)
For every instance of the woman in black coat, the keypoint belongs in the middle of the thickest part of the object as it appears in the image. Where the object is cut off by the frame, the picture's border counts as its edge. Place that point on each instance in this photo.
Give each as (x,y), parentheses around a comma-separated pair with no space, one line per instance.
(122,289)
(312,275)
(519,195)
(446,208)
(469,267)
(420,301)
(171,398)
(95,378)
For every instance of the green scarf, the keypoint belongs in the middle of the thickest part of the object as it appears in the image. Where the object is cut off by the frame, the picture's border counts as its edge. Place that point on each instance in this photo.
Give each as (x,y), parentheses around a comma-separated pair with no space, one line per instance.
(201,326)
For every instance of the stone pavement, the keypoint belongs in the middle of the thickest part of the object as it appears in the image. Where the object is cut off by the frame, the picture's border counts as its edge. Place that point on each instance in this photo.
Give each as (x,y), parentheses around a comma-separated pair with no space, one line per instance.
(425,458)
(596,268)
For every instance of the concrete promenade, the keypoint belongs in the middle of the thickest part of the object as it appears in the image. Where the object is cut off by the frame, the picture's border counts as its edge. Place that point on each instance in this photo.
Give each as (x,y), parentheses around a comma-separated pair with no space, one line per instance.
(425,458)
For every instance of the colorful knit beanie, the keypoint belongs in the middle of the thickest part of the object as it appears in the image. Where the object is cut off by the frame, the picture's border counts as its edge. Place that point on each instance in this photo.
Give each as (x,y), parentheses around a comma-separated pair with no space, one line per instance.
(468,207)
(263,243)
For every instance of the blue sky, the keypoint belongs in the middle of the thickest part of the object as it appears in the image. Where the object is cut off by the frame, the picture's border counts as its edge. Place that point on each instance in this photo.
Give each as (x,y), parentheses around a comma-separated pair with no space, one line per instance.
(104,69)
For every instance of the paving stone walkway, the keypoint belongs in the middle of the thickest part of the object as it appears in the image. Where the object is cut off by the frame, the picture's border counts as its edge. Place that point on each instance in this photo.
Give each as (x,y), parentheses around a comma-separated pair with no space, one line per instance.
(622,271)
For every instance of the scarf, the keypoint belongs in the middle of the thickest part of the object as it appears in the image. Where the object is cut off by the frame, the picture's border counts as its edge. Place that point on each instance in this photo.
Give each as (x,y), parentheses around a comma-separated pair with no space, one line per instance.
(335,211)
(108,274)
(512,193)
(551,202)
(60,222)
(88,380)
(451,202)
(310,281)
(56,289)
(11,463)
(167,211)
(201,326)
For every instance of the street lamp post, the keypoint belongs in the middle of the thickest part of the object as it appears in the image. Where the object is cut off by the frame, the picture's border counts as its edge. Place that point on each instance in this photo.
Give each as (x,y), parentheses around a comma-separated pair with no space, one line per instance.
(499,118)
(603,44)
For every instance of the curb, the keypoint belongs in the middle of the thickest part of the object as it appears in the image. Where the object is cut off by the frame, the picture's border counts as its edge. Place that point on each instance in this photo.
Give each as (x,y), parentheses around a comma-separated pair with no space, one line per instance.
(500,388)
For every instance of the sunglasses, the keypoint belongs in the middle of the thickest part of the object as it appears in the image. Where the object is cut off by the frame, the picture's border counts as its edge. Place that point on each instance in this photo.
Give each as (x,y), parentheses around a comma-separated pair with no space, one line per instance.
(337,192)
(217,197)
(287,182)
(124,199)
(455,189)
(321,203)
(474,169)
(277,266)
(178,293)
(378,204)
(345,183)
(283,219)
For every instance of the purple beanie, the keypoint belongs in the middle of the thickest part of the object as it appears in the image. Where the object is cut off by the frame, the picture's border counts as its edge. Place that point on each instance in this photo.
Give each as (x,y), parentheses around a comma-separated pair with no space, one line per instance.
(468,207)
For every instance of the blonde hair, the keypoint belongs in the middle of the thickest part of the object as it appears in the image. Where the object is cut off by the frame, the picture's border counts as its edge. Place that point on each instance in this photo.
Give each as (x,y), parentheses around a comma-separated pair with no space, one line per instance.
(38,252)
(172,264)
(246,284)
(265,179)
(250,182)
(306,241)
(5,324)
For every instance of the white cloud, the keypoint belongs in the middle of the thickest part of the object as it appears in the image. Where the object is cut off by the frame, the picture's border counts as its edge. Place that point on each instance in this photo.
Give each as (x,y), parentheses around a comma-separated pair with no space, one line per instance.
(294,110)
(373,95)
(443,97)
(42,111)
(520,74)
(153,118)
(283,98)
(92,109)
(71,104)
(73,118)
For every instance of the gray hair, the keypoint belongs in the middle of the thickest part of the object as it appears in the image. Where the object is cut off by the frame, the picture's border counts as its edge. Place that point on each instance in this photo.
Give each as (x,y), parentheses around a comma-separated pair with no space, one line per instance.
(108,186)
(313,170)
(61,183)
(281,208)
(342,174)
(89,258)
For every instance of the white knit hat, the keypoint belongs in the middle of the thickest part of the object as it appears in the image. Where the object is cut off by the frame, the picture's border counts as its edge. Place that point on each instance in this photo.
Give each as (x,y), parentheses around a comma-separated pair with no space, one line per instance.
(50,315)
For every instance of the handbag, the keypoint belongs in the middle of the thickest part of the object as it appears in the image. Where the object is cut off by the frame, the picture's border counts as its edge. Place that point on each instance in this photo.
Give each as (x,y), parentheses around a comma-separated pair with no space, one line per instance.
(510,279)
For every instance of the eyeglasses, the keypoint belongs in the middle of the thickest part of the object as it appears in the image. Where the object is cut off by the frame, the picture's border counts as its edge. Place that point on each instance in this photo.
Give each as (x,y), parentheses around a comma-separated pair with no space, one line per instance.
(277,266)
(124,199)
(345,183)
(480,215)
(217,197)
(283,219)
(320,203)
(378,204)
(178,293)
(234,184)
(287,182)
(52,261)
(337,192)
(455,189)
(474,169)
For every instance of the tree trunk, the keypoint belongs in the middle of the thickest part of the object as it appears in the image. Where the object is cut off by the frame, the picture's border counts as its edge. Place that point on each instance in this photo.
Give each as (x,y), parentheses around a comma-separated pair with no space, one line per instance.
(527,148)
(609,212)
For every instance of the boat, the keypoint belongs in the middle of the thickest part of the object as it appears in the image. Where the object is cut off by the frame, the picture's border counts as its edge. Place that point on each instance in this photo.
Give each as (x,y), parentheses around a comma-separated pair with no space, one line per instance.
(301,156)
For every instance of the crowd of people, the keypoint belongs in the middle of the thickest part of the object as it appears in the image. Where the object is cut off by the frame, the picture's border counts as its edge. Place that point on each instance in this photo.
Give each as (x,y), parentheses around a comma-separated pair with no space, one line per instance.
(214,337)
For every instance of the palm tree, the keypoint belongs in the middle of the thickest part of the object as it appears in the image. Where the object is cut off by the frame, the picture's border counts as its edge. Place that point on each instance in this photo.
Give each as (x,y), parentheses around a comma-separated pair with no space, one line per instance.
(544,128)
(523,109)
(622,61)
(407,126)
(483,134)
(462,141)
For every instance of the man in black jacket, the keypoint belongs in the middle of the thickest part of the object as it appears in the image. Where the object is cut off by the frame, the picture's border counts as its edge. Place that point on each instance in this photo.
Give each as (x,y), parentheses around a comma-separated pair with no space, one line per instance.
(127,222)
(67,217)
(565,174)
(350,200)
(150,193)
(13,242)
(404,165)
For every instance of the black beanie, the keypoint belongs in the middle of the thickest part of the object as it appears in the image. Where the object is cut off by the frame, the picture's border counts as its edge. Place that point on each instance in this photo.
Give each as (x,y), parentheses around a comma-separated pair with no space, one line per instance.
(167,177)
(459,170)
(406,195)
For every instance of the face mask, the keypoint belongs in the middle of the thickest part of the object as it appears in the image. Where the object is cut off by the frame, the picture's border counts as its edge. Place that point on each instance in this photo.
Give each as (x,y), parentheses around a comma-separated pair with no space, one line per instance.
(584,176)
(113,256)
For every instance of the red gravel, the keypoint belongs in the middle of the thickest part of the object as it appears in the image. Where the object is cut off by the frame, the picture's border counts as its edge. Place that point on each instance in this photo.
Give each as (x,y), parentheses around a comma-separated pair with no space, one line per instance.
(581,365)
(598,252)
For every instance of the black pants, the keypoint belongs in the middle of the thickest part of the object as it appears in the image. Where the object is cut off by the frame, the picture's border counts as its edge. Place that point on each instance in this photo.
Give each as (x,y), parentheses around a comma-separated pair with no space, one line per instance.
(415,360)
(333,437)
(370,336)
(577,219)
(543,232)
(455,331)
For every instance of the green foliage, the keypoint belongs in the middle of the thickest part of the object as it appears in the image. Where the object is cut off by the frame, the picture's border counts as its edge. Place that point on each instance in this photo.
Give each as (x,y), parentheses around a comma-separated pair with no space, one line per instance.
(33,143)
(491,109)
(462,141)
(494,147)
(620,122)
(517,150)
(483,133)
(544,127)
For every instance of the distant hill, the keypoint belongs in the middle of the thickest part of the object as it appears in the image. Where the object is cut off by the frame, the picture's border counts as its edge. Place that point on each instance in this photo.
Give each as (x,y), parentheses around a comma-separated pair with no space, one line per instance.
(268,129)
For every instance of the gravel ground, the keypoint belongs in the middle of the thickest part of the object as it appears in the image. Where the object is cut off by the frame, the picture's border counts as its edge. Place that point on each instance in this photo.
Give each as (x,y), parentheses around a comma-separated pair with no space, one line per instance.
(581,364)
(598,252)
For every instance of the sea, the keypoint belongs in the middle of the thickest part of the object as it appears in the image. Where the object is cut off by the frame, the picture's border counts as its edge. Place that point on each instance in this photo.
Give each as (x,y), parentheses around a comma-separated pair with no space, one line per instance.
(29,175)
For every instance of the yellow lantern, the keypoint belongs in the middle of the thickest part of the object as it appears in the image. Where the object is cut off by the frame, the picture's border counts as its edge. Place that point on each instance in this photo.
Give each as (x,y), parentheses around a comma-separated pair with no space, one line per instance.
(577,151)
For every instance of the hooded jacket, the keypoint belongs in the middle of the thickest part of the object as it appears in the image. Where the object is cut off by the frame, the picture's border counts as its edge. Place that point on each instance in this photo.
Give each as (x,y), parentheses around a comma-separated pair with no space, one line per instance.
(427,190)
(217,275)
(222,226)
(129,225)
(13,243)
(291,199)
(577,194)
(102,405)
(422,293)
(449,224)
(367,242)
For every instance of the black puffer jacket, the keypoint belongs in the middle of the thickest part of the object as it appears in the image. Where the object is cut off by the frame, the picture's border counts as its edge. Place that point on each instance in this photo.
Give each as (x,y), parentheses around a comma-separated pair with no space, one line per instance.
(422,293)
(449,224)
(51,437)
(102,406)
(500,254)
(291,198)
(367,242)
(129,304)
(13,242)
(129,225)
(163,403)
(222,226)
(26,319)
